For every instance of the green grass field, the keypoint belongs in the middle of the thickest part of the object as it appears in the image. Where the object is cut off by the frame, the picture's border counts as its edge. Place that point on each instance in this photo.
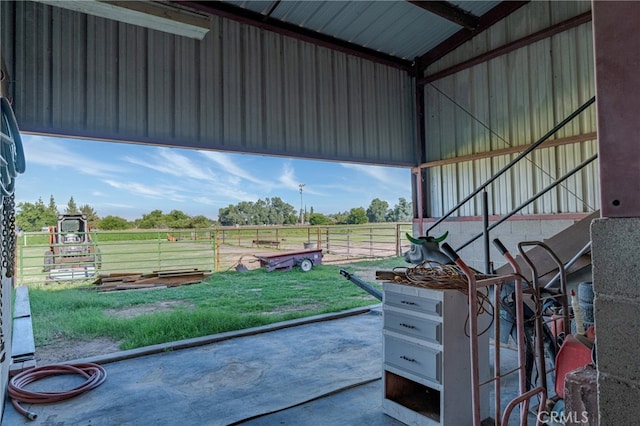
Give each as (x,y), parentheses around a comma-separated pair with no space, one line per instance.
(226,301)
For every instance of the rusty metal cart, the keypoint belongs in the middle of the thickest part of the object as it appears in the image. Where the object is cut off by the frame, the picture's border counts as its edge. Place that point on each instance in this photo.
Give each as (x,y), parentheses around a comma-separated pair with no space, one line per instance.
(525,394)
(545,340)
(305,259)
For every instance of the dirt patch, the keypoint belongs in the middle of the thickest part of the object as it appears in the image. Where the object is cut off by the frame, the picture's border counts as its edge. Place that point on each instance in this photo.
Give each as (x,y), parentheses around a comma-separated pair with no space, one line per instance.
(64,349)
(283,309)
(162,306)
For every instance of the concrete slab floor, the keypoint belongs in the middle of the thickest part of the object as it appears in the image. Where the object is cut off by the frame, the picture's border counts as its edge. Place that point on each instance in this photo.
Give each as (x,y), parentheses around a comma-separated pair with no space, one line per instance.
(326,372)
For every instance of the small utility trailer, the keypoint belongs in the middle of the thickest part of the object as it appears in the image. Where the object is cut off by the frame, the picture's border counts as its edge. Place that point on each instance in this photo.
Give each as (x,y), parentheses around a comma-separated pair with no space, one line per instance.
(305,259)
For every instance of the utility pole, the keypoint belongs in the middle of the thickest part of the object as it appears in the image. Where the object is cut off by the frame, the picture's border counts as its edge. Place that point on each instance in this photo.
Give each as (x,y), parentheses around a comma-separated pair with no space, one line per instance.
(301,211)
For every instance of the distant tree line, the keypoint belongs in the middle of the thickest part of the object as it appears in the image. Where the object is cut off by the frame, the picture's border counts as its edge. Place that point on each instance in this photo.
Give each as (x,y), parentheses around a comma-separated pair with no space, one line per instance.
(274,211)
(270,211)
(37,216)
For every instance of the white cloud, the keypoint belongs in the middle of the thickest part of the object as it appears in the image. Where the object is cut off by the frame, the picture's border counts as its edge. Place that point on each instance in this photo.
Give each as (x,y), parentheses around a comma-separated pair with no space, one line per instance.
(289,180)
(46,152)
(137,188)
(389,177)
(226,162)
(288,177)
(204,200)
(119,205)
(206,186)
(208,193)
(169,161)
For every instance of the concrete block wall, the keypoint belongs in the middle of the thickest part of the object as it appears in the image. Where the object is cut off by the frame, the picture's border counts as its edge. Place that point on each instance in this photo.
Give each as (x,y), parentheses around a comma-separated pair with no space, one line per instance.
(510,232)
(616,283)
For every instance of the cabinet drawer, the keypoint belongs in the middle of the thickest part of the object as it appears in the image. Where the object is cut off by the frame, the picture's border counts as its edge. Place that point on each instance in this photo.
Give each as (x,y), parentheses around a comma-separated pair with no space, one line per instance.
(418,304)
(419,360)
(421,328)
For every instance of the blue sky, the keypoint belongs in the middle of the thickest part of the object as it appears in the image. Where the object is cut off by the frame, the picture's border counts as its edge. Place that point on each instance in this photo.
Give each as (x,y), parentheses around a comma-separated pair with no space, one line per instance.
(129,180)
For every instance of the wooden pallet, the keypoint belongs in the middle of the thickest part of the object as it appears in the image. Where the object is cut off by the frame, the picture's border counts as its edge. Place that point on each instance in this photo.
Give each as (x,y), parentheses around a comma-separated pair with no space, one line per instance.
(156,279)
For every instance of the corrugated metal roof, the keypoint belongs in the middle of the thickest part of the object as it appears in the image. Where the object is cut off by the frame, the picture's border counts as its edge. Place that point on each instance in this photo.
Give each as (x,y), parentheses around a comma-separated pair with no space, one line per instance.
(397,28)
(477,8)
(240,89)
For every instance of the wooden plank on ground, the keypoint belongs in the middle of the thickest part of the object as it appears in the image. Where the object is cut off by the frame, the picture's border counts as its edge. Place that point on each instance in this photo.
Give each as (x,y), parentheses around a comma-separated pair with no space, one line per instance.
(127,278)
(119,276)
(127,287)
(21,307)
(168,278)
(22,344)
(173,281)
(182,274)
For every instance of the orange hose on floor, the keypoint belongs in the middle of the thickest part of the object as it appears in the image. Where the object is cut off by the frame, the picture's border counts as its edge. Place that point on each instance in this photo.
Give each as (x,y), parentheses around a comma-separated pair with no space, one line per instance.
(94,374)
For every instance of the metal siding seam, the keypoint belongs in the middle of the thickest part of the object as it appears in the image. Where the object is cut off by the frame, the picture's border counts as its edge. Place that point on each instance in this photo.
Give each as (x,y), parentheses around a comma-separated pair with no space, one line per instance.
(341,110)
(326,123)
(355,107)
(232,93)
(370,143)
(253,102)
(274,83)
(292,96)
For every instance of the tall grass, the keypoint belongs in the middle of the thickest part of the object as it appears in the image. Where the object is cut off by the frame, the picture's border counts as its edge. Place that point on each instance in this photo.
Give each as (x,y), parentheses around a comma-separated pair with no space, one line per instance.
(226,301)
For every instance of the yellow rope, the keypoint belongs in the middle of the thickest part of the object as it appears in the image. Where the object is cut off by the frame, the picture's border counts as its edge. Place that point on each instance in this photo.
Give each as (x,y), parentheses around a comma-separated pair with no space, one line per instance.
(436,276)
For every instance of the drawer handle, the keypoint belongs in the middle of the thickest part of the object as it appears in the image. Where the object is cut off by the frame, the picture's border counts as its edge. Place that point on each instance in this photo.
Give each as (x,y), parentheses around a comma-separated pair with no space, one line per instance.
(406,358)
(408,303)
(407,325)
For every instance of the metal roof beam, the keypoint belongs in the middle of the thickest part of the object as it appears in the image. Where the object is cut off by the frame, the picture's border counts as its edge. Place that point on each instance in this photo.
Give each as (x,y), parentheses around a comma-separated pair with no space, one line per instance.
(450,12)
(496,14)
(259,20)
(509,47)
(272,9)
(154,15)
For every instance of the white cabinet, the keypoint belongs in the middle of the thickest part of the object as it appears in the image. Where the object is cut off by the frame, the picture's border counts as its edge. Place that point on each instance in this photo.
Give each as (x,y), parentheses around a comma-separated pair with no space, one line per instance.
(427,367)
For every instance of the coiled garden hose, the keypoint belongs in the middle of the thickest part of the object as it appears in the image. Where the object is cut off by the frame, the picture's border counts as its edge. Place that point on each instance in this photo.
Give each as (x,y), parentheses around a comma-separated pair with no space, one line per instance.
(94,374)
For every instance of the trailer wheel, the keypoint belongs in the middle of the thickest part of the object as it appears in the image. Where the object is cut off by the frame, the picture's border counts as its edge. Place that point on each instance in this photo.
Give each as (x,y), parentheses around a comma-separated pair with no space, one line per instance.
(48,261)
(306,265)
(98,258)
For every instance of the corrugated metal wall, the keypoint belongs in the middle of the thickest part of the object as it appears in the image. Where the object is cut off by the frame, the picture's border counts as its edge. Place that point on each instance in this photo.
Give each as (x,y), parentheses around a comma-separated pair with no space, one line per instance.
(240,89)
(509,101)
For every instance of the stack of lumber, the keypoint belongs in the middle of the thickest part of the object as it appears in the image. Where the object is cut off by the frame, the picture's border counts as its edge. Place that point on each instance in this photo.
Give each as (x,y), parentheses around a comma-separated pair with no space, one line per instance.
(156,279)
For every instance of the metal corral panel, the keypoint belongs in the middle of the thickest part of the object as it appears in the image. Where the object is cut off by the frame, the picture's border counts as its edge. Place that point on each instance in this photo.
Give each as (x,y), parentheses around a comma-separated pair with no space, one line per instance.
(240,89)
(514,100)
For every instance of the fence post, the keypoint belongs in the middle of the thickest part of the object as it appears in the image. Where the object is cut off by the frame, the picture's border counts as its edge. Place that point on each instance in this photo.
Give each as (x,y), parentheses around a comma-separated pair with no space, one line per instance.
(371,242)
(159,252)
(398,245)
(21,264)
(328,245)
(216,250)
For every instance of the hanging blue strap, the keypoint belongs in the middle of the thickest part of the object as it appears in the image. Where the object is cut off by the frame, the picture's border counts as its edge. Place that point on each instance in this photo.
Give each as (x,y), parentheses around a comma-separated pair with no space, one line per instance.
(12,161)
